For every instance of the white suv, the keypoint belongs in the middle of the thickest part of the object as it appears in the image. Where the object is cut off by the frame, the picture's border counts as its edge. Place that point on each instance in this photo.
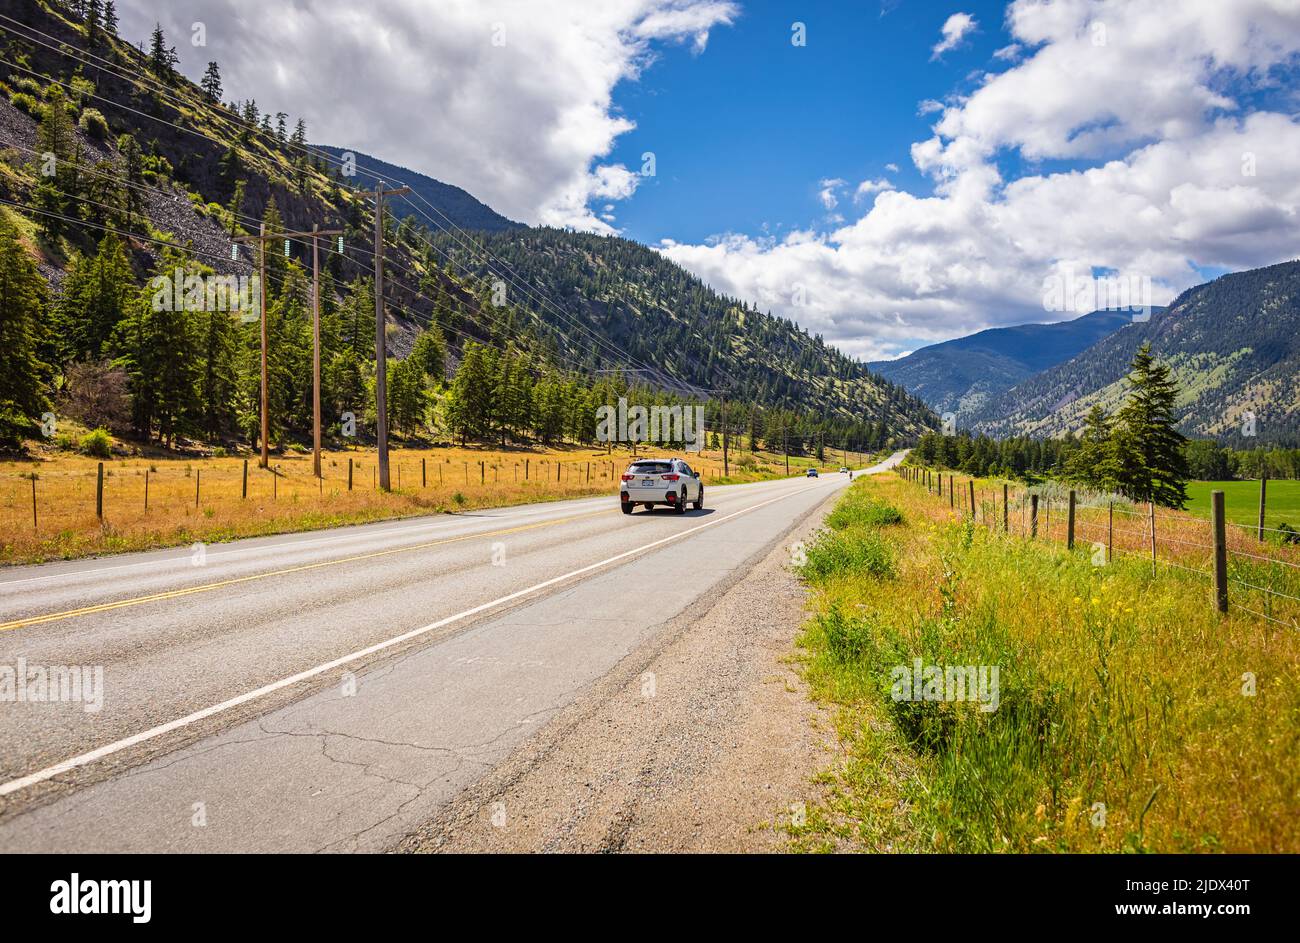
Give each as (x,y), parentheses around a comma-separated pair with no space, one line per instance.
(667,481)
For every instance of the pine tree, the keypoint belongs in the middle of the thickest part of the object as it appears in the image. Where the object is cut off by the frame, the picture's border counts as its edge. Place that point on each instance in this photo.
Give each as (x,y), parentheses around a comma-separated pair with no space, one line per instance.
(110,18)
(430,351)
(469,401)
(162,60)
(1149,457)
(157,346)
(94,20)
(23,306)
(57,158)
(133,168)
(97,294)
(218,381)
(211,82)
(1093,464)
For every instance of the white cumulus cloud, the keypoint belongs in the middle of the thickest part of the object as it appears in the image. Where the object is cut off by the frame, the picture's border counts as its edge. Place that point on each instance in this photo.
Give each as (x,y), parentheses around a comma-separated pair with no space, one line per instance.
(510,99)
(1172,170)
(954,30)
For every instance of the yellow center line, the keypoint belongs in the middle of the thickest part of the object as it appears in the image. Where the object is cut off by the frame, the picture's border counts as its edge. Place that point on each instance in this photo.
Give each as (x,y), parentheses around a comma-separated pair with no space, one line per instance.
(206,587)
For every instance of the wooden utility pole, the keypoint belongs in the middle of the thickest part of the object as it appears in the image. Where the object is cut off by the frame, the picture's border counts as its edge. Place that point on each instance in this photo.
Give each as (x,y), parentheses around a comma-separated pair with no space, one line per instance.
(261,239)
(725,466)
(261,296)
(381,345)
(316,233)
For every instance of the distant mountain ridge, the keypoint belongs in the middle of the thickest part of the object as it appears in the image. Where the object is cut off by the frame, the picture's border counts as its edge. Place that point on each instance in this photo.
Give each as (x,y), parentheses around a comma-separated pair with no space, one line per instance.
(1233,345)
(961,375)
(459,206)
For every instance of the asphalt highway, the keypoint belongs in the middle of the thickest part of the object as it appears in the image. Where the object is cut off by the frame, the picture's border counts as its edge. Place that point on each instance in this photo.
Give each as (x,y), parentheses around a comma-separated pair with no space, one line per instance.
(328,691)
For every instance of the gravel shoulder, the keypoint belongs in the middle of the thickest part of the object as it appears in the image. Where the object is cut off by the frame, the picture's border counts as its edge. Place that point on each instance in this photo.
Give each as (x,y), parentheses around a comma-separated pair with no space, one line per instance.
(703,741)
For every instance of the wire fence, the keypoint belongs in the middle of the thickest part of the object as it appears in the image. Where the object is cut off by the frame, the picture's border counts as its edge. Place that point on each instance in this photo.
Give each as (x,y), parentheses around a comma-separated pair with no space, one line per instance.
(80,502)
(1255,569)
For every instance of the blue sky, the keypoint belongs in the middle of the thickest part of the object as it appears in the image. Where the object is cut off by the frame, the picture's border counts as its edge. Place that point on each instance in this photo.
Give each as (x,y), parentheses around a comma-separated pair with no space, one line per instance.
(744,132)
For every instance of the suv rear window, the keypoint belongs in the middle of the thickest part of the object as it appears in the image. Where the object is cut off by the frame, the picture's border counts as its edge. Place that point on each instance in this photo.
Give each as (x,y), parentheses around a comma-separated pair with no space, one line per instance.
(651,468)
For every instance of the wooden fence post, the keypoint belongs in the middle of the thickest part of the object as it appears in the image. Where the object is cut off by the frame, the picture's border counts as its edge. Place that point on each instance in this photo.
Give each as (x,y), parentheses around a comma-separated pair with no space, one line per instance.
(349,472)
(244,490)
(1220,553)
(1151,507)
(198,473)
(99,492)
(1110,532)
(1263,489)
(34,527)
(1004,507)
(146,485)
(952,498)
(424,474)
(1033,515)
(972,499)
(527,462)
(1069,530)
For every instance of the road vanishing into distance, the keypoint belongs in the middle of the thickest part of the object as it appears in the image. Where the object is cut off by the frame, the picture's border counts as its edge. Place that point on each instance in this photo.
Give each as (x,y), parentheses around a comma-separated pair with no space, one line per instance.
(331,690)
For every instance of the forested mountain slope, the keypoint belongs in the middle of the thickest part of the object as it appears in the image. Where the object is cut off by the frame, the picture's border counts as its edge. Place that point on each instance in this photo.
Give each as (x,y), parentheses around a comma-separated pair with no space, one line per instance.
(448,203)
(667,318)
(960,375)
(1233,345)
(152,172)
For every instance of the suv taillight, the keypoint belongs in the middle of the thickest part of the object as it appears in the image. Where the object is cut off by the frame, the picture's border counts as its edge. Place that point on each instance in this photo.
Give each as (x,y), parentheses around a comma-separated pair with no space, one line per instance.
(671,477)
(628,477)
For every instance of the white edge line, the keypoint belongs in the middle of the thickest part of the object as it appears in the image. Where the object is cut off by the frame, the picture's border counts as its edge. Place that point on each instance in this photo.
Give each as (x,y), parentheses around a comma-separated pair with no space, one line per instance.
(14,785)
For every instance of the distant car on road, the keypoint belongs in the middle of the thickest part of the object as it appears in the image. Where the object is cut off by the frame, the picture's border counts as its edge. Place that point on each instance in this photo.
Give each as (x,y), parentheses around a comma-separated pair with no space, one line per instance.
(844,469)
(812,473)
(654,481)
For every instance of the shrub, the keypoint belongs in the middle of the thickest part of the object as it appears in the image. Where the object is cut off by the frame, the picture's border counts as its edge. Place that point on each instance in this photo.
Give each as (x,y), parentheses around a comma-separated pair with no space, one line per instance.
(848,640)
(864,513)
(30,86)
(26,103)
(859,551)
(94,124)
(97,443)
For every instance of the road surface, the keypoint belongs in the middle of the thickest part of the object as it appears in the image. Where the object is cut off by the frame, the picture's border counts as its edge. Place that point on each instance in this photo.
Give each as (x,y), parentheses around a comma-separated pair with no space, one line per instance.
(332,690)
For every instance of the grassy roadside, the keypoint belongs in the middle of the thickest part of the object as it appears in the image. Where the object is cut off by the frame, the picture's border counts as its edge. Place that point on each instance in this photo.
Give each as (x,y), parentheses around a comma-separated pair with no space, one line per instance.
(1124,719)
(202,498)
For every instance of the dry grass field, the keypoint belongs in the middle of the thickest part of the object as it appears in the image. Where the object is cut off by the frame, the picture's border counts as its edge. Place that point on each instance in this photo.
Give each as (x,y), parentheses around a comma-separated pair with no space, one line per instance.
(168,501)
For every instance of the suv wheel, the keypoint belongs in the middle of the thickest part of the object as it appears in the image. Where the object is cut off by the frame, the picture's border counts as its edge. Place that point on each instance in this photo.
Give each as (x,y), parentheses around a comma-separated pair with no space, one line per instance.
(699,502)
(680,503)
